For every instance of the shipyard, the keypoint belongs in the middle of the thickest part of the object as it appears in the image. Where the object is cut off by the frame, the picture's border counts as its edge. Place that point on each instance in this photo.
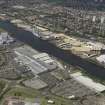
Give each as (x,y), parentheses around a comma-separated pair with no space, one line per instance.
(52,52)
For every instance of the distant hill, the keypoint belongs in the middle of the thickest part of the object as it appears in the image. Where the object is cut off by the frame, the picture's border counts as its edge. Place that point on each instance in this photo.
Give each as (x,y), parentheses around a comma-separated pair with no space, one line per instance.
(56,1)
(81,4)
(77,4)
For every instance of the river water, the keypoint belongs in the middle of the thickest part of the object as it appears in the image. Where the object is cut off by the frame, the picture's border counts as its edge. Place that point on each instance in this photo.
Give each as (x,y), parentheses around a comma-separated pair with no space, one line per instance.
(44,46)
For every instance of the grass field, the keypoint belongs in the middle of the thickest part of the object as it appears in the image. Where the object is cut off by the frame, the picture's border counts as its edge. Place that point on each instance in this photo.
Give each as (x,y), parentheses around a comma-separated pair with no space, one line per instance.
(1,30)
(31,94)
(2,85)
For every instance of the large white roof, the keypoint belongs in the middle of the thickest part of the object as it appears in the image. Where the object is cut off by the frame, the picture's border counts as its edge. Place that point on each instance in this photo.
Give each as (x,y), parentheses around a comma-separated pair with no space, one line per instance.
(88,82)
(101,58)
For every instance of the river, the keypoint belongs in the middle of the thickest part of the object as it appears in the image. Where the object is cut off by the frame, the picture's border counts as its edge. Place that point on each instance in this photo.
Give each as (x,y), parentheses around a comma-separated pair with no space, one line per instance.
(44,46)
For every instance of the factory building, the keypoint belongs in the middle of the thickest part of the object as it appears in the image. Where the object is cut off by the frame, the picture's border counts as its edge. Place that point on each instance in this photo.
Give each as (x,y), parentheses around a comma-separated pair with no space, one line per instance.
(37,62)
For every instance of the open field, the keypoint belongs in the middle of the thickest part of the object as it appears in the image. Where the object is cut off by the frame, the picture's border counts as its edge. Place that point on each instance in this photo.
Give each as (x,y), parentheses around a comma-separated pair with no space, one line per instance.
(31,94)
(2,85)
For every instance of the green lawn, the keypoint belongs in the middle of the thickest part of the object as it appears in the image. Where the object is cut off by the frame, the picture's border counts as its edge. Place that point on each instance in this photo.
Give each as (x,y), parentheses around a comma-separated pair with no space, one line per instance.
(2,85)
(23,92)
(1,30)
(31,94)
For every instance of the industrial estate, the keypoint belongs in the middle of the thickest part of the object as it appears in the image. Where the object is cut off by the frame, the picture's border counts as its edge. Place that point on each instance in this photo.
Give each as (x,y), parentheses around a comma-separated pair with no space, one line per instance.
(52,52)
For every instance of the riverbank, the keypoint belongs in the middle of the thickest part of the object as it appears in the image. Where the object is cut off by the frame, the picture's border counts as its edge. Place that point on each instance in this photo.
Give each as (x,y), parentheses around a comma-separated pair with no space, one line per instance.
(44,46)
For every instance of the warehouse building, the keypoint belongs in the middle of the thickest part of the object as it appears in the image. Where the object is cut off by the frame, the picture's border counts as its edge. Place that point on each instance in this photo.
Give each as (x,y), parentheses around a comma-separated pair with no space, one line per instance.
(36,62)
(97,87)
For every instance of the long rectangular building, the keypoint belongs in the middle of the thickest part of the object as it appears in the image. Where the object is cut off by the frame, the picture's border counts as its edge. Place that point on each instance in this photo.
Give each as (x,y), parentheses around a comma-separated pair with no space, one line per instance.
(36,62)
